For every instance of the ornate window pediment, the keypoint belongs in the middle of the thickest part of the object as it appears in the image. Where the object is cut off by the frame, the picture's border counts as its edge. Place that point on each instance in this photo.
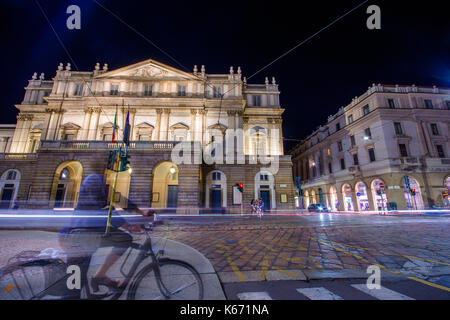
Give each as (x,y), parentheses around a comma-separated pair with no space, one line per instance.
(178,131)
(144,131)
(69,131)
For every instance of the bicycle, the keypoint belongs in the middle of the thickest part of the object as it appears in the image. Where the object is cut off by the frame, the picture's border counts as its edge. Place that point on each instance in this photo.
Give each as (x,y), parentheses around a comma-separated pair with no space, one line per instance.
(162,278)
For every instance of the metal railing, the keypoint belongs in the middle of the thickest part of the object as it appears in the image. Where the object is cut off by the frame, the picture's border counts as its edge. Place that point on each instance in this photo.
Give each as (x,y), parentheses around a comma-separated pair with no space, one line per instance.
(18,156)
(104,145)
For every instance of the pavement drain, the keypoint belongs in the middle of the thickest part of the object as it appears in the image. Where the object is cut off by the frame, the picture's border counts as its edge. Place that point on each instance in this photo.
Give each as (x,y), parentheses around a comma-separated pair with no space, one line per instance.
(231,241)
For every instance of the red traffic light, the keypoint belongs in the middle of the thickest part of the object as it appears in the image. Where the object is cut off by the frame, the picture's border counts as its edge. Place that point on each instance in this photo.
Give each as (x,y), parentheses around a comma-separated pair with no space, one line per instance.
(241,186)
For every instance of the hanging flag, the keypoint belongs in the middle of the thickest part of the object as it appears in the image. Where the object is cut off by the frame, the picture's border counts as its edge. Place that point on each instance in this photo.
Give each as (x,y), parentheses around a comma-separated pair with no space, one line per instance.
(114,126)
(126,129)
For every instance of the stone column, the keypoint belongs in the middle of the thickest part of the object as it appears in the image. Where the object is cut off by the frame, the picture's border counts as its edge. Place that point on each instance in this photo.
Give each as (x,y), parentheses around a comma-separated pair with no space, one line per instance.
(165,124)
(203,114)
(57,123)
(120,122)
(50,125)
(85,129)
(158,125)
(355,201)
(340,199)
(93,125)
(23,138)
(370,198)
(230,119)
(3,144)
(46,125)
(132,116)
(193,124)
(425,126)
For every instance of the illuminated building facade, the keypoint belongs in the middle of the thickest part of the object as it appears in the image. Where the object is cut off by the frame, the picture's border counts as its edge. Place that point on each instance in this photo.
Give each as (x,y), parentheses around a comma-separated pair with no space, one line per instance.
(65,127)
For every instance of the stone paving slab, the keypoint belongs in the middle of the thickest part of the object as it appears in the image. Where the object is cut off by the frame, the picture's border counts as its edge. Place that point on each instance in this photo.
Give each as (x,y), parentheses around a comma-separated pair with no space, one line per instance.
(172,249)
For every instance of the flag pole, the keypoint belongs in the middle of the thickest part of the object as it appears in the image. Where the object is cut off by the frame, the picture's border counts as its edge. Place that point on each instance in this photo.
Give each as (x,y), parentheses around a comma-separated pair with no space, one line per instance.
(113,192)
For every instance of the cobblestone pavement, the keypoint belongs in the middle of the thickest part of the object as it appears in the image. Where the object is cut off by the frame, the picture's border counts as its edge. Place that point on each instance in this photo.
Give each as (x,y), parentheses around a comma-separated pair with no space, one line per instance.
(241,244)
(316,242)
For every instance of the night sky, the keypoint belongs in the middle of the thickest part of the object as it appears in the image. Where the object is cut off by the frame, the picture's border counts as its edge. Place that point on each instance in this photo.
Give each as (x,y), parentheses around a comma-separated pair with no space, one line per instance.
(413,46)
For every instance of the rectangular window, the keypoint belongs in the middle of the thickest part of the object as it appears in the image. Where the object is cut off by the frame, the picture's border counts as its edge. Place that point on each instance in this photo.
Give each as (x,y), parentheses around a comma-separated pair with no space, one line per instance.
(144,137)
(448,104)
(148,90)
(107,137)
(217,92)
(181,91)
(403,150)
(216,176)
(434,129)
(342,164)
(78,90)
(440,151)
(256,101)
(355,159)
(368,133)
(339,145)
(69,137)
(264,177)
(366,109)
(114,90)
(391,103)
(350,119)
(330,167)
(398,128)
(338,126)
(352,140)
(372,154)
(428,104)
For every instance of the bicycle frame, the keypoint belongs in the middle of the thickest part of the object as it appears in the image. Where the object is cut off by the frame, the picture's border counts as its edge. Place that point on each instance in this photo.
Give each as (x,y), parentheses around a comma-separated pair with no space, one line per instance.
(145,250)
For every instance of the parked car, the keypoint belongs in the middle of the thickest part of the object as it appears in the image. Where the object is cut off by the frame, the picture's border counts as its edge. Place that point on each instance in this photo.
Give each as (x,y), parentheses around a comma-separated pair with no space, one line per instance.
(316,207)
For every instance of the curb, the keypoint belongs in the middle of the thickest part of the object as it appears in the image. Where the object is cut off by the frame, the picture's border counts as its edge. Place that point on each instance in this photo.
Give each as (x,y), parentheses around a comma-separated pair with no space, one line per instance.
(299,275)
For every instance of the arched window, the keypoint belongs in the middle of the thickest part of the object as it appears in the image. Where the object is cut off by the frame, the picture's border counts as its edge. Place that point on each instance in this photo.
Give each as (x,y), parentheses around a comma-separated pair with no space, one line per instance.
(11,175)
(9,186)
(64,174)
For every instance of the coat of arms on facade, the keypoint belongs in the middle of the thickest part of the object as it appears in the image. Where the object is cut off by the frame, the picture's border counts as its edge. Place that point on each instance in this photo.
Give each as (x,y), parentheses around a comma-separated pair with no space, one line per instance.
(148,72)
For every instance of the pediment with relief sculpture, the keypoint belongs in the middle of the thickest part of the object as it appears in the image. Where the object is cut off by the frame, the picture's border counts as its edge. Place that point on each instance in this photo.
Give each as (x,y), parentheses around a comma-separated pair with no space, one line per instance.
(147,70)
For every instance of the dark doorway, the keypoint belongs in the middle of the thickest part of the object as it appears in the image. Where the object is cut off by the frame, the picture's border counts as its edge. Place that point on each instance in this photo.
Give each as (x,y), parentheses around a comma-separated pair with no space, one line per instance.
(265,196)
(172,196)
(7,195)
(216,198)
(60,193)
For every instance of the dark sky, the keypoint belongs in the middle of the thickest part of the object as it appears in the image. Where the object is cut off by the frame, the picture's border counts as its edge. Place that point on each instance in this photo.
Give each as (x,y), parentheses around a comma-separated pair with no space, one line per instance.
(413,46)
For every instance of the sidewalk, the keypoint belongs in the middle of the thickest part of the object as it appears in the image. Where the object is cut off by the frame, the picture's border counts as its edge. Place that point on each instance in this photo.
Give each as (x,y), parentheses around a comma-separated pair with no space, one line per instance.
(13,242)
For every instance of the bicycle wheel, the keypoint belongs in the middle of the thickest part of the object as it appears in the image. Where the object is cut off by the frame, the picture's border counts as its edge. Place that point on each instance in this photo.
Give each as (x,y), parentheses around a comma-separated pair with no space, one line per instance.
(179,279)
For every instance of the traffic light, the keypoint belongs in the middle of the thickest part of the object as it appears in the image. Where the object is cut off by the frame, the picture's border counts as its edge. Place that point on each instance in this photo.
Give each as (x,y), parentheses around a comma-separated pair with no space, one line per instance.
(124,162)
(413,192)
(111,160)
(240,187)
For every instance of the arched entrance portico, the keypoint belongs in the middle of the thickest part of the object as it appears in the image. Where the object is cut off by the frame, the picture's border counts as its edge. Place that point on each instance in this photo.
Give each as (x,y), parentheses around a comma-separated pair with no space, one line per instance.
(413,194)
(362,197)
(165,185)
(66,185)
(333,198)
(380,199)
(348,199)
